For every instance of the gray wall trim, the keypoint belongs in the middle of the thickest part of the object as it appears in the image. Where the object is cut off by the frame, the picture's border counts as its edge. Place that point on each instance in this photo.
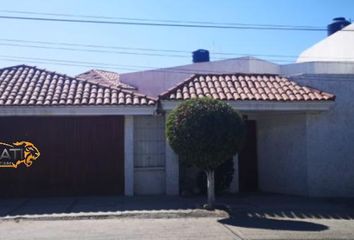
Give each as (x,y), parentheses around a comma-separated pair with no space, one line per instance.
(129,155)
(249,106)
(234,186)
(172,170)
(75,110)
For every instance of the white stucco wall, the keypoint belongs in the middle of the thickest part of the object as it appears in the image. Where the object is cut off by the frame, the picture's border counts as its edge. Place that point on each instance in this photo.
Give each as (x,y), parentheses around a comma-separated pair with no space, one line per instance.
(331,138)
(310,154)
(282,160)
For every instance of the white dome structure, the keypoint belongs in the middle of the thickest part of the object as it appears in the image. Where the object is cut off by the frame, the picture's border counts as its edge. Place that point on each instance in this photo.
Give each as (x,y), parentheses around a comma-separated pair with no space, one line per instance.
(338,47)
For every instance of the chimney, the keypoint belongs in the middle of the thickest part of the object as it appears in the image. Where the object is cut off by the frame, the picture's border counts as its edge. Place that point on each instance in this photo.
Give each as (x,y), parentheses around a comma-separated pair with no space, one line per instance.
(201,55)
(338,24)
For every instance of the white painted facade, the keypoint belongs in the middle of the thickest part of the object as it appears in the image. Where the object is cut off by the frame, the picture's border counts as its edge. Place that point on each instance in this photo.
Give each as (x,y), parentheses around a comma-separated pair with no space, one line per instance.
(330,138)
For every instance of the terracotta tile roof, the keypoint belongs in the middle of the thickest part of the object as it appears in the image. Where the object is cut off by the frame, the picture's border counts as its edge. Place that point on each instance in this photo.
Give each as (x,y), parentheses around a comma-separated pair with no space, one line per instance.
(27,85)
(241,87)
(104,78)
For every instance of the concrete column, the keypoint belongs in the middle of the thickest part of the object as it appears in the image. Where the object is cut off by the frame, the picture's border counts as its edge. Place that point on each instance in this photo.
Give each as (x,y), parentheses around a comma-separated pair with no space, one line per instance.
(129,155)
(172,171)
(234,186)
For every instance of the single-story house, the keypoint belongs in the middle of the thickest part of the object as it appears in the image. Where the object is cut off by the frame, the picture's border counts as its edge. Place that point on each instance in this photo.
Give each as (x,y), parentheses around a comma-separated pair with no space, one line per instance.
(104,133)
(107,138)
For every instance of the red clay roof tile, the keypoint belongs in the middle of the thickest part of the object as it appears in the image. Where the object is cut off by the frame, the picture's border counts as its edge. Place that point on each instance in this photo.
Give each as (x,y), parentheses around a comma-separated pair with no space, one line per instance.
(241,86)
(27,85)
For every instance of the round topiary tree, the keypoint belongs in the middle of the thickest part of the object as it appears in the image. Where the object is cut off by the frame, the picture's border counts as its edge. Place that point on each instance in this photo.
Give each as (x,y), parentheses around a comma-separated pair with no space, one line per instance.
(205,133)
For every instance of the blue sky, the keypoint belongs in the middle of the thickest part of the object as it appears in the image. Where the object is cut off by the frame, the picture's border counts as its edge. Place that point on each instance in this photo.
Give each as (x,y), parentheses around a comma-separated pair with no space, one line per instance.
(240,42)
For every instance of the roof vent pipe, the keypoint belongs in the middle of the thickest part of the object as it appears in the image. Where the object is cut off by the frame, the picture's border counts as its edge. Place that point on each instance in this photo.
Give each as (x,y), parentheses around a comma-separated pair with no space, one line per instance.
(201,55)
(338,24)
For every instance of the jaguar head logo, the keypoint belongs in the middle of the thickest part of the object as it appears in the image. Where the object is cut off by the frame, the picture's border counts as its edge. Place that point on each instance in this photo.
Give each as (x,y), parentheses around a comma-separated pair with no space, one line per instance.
(31,153)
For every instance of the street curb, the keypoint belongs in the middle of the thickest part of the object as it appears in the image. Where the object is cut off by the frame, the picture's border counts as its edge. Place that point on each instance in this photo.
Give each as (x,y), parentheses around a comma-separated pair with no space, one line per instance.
(159,214)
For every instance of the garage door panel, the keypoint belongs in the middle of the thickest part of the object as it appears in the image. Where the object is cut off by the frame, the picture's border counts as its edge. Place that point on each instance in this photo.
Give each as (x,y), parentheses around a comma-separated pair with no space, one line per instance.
(79,156)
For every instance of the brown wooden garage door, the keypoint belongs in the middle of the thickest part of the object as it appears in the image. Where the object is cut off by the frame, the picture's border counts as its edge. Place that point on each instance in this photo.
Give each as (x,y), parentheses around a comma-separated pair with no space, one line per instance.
(79,156)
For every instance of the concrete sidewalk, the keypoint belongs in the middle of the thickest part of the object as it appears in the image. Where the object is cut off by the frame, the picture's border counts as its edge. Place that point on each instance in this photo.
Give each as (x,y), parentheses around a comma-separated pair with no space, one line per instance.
(102,207)
(28,206)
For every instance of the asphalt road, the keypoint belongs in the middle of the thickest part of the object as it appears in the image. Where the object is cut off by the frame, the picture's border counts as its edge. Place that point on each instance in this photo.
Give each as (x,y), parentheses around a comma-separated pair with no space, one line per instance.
(179,228)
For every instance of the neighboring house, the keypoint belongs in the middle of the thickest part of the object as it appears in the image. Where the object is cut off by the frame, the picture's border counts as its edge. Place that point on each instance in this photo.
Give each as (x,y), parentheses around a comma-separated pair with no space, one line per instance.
(98,137)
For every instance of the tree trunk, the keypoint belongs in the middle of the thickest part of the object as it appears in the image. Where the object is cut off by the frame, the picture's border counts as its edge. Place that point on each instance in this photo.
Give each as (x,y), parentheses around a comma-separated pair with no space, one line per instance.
(211,188)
